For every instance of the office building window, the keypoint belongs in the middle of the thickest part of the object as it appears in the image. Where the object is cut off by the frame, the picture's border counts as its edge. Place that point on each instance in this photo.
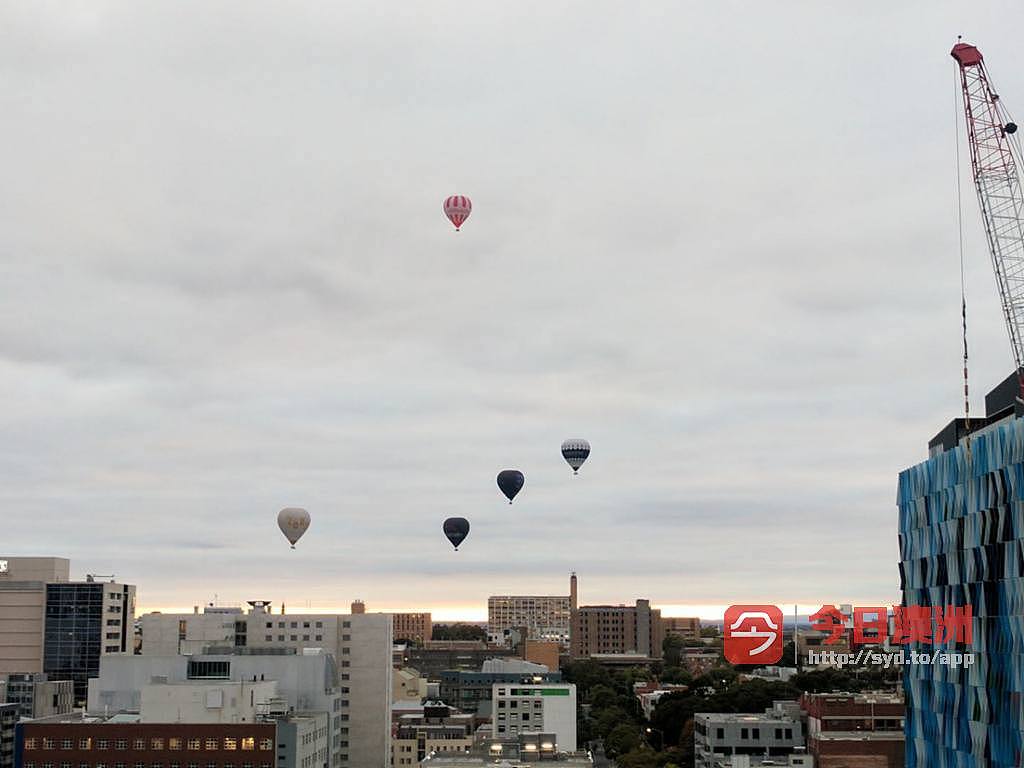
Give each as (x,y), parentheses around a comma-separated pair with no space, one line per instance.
(85,744)
(230,744)
(102,744)
(139,744)
(266,744)
(268,638)
(121,744)
(193,743)
(174,743)
(319,637)
(248,743)
(212,744)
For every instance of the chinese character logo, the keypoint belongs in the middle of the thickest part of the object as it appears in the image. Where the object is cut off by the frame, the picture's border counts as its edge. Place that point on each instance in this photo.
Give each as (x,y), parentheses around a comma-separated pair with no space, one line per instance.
(753,634)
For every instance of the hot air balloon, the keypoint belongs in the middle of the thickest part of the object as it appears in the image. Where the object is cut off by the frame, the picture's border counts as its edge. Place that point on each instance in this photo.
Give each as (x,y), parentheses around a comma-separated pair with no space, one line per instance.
(510,481)
(575,451)
(456,529)
(457,209)
(293,522)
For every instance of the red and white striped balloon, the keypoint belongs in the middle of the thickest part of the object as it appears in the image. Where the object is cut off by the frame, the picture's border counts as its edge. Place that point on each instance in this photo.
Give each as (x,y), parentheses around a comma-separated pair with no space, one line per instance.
(457,209)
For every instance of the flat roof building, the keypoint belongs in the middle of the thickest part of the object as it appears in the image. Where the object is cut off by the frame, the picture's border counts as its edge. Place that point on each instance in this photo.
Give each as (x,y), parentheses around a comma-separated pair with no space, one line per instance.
(846,728)
(617,629)
(960,544)
(776,733)
(361,644)
(523,708)
(23,583)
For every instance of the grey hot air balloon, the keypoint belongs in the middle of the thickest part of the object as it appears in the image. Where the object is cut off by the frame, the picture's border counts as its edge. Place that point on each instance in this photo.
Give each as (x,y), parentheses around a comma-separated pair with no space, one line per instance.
(575,451)
(293,522)
(510,481)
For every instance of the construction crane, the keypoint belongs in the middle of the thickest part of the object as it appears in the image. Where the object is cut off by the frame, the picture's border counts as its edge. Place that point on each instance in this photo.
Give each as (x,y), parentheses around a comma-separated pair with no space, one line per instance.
(995,154)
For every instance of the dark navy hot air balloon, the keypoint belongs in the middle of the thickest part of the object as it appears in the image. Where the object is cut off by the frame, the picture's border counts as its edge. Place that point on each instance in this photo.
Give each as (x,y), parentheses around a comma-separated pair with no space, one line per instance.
(510,481)
(456,529)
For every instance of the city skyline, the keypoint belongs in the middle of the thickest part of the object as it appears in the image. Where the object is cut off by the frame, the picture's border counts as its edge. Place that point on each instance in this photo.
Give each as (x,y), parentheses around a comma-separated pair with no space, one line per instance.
(230,288)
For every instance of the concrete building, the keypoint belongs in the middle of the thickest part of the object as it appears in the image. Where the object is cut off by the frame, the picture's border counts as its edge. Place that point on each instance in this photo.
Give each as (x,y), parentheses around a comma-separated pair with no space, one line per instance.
(685,627)
(408,685)
(525,751)
(36,695)
(960,545)
(243,686)
(414,627)
(470,691)
(438,730)
(543,617)
(435,660)
(23,583)
(86,621)
(536,708)
(775,734)
(795,760)
(361,643)
(847,728)
(617,629)
(8,720)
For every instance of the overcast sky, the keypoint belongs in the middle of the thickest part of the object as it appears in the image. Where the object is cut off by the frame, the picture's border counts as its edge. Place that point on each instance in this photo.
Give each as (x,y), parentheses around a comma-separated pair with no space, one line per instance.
(717,240)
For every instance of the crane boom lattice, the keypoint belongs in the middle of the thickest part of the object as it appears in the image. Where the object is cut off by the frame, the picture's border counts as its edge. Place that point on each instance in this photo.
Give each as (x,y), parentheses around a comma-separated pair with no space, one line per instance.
(994,160)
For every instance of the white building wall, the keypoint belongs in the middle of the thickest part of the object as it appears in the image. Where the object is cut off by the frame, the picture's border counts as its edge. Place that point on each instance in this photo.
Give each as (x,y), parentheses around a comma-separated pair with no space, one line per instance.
(556,711)
(198,702)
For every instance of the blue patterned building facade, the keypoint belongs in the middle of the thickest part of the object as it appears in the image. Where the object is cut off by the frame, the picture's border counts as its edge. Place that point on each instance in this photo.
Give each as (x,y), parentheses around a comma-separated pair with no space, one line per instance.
(961,535)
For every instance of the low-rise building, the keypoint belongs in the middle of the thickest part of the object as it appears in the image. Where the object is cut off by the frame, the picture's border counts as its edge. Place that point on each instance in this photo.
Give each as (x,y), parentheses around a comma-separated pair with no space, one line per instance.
(408,685)
(536,708)
(36,695)
(795,760)
(467,691)
(524,751)
(227,688)
(438,730)
(776,733)
(848,727)
(436,657)
(649,695)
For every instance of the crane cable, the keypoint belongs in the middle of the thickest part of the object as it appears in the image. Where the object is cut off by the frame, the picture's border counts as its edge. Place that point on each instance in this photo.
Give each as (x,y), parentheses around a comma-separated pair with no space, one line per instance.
(963,278)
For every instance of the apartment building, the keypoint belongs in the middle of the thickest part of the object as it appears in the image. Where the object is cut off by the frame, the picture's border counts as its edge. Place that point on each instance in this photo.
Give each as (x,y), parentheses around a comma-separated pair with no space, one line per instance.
(543,617)
(685,627)
(617,629)
(8,721)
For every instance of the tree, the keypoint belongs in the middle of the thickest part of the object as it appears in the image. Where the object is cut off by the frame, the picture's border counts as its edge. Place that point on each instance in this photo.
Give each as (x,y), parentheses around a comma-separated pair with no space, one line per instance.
(458,631)
(586,673)
(623,738)
(672,650)
(602,697)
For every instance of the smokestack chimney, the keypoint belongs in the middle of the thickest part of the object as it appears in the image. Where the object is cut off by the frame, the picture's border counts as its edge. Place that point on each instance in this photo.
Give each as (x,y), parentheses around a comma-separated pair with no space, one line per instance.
(573,592)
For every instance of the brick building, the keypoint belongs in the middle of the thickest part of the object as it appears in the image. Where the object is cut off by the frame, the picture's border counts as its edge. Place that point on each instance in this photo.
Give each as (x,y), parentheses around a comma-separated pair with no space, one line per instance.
(414,627)
(863,729)
(128,745)
(617,629)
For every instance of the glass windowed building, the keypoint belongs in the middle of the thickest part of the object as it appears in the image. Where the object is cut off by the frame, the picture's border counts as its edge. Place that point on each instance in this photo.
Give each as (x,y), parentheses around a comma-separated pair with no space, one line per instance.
(84,621)
(961,535)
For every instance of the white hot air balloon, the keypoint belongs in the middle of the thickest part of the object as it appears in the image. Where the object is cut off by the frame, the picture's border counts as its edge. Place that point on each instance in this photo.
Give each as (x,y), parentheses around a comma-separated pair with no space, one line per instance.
(575,452)
(293,522)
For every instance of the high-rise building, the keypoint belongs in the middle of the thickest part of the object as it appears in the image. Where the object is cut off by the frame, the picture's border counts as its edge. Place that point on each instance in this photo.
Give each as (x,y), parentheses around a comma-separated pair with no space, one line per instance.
(23,583)
(543,617)
(962,545)
(775,734)
(360,642)
(617,629)
(84,622)
(8,720)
